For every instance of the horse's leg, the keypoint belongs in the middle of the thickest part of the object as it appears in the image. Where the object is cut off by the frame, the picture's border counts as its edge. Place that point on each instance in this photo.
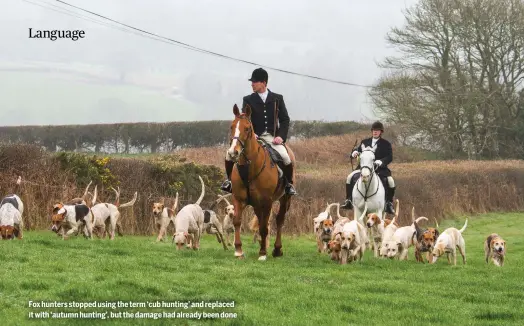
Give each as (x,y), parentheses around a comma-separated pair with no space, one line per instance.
(285,202)
(237,223)
(263,218)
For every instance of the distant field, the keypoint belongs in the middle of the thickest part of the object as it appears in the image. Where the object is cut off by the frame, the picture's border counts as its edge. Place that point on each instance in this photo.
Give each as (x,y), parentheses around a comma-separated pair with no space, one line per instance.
(42,98)
(300,288)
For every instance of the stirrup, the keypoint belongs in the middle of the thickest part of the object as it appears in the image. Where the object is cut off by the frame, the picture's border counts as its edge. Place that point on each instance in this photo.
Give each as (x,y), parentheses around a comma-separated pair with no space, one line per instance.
(290,190)
(347,204)
(389,208)
(226,186)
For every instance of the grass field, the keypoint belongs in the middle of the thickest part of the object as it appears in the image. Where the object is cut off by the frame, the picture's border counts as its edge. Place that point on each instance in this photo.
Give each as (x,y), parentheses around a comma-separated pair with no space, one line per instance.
(300,288)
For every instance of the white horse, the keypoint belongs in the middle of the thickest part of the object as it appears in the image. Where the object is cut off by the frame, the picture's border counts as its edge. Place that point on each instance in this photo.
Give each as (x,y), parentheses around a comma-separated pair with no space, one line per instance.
(369,195)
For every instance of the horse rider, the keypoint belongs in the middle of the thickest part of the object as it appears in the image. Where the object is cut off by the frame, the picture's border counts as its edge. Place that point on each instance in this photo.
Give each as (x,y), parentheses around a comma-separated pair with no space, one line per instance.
(270,122)
(383,156)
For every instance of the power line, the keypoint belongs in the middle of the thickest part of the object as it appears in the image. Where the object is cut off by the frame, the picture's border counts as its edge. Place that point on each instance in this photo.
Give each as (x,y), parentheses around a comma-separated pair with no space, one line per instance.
(194,48)
(68,12)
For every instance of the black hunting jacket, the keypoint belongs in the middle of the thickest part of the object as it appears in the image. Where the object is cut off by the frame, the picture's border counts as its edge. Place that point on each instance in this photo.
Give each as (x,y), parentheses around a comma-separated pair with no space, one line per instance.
(271,116)
(384,152)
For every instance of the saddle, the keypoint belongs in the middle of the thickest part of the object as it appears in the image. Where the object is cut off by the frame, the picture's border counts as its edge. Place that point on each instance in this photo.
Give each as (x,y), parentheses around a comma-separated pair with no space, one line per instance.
(275,157)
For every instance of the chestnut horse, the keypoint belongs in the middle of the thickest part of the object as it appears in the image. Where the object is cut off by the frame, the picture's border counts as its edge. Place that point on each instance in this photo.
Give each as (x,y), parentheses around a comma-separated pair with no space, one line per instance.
(261,185)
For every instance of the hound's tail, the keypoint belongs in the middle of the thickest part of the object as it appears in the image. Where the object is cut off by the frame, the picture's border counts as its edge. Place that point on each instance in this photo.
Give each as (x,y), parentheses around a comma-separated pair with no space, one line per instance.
(464,227)
(93,200)
(130,203)
(203,192)
(220,198)
(421,218)
(436,222)
(364,211)
(328,209)
(395,218)
(175,205)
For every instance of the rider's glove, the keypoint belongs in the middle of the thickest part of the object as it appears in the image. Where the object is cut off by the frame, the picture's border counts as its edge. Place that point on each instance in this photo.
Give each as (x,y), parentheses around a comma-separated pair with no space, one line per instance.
(378,162)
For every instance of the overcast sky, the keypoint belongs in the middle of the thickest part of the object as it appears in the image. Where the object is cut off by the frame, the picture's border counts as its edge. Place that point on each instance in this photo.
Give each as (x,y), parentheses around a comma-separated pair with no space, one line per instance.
(336,39)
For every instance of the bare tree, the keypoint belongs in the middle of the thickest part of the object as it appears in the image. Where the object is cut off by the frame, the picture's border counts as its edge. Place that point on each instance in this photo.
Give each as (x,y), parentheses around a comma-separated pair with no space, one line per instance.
(457,82)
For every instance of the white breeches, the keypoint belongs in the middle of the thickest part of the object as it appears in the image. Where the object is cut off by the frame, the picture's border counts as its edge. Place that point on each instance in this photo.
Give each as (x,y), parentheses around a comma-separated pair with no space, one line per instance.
(391,181)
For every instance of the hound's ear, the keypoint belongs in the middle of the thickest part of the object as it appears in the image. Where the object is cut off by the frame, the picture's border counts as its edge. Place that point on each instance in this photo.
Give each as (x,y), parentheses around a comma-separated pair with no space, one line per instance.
(236,111)
(248,110)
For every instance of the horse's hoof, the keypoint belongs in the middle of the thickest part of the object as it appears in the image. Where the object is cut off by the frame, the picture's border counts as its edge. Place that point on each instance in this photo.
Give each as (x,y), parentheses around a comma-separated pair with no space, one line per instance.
(262,258)
(277,252)
(239,255)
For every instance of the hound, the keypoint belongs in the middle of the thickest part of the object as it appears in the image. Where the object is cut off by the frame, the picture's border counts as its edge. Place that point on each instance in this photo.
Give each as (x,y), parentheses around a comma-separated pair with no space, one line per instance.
(448,242)
(73,217)
(403,238)
(189,223)
(107,215)
(164,216)
(495,248)
(334,246)
(323,227)
(425,241)
(11,223)
(353,240)
(326,232)
(377,225)
(387,237)
(321,217)
(212,225)
(227,222)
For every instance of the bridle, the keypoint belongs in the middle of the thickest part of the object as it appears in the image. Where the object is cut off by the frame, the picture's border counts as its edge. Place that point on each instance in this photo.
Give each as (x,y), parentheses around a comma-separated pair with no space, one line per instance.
(243,147)
(372,174)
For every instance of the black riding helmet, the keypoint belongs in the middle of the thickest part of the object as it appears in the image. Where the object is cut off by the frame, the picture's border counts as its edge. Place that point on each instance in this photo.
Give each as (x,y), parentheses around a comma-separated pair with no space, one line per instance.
(377,125)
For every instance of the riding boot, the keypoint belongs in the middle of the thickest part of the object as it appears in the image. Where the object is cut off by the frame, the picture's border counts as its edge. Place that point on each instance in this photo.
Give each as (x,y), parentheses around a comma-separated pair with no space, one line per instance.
(390,192)
(288,175)
(348,204)
(226,186)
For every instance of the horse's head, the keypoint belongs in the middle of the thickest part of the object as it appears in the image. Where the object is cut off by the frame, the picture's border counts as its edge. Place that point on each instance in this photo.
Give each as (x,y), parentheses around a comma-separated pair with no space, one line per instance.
(367,157)
(240,133)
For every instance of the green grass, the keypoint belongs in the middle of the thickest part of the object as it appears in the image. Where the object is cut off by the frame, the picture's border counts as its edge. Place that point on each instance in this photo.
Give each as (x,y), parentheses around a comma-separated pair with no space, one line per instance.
(300,288)
(45,98)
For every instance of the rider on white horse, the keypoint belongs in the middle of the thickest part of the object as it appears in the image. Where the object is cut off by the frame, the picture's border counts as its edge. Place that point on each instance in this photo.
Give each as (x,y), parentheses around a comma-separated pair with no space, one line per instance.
(384,156)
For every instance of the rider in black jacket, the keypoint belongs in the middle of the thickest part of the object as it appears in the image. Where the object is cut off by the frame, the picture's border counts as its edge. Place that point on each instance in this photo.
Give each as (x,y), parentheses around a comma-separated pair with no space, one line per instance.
(383,156)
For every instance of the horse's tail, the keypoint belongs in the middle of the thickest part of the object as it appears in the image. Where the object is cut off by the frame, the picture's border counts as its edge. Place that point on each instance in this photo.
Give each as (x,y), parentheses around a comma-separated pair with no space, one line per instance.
(203,192)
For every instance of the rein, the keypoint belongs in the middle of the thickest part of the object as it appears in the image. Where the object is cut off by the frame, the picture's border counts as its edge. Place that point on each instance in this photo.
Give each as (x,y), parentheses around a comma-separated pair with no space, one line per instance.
(372,172)
(248,161)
